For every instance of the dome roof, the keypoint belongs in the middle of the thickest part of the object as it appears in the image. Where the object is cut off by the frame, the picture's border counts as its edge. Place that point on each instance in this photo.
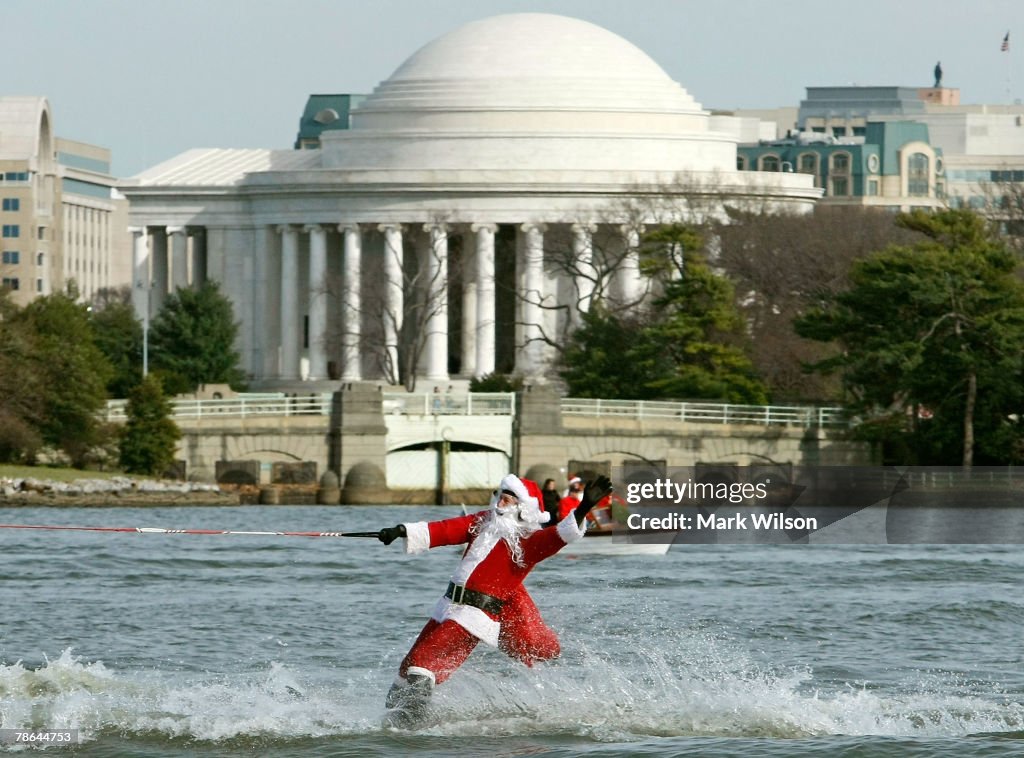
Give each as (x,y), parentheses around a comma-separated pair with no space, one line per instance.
(529,92)
(530,45)
(526,61)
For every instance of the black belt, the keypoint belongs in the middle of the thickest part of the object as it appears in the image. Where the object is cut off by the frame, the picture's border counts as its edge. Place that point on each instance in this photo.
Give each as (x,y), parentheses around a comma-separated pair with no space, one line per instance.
(458,593)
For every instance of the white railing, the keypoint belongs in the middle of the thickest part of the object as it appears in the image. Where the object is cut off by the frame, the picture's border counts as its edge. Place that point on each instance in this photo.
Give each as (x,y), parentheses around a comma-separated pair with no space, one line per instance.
(500,404)
(249,404)
(445,404)
(706,413)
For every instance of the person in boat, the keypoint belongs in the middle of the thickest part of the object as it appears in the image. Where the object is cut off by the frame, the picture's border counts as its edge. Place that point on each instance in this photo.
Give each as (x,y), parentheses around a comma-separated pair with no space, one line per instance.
(599,517)
(573,496)
(574,485)
(485,600)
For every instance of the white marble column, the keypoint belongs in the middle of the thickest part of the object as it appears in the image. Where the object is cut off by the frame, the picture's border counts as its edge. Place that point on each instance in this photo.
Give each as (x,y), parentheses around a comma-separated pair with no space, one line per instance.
(485,317)
(528,358)
(630,283)
(394,298)
(179,257)
(159,292)
(262,309)
(140,272)
(437,303)
(317,301)
(585,274)
(351,306)
(291,328)
(468,298)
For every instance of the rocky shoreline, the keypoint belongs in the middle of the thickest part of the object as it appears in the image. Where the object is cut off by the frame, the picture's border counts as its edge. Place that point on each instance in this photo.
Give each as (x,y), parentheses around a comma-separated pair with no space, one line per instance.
(119,490)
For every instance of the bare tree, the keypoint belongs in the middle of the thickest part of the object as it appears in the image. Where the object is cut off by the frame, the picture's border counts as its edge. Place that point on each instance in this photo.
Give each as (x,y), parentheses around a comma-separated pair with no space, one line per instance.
(1003,205)
(105,296)
(782,264)
(619,244)
(402,301)
(779,261)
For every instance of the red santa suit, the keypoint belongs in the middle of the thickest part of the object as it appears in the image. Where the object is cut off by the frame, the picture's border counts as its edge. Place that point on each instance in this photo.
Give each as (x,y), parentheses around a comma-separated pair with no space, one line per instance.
(486,601)
(568,504)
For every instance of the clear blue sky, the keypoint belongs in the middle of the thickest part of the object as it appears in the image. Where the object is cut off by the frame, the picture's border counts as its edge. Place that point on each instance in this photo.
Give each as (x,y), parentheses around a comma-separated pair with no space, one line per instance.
(152,78)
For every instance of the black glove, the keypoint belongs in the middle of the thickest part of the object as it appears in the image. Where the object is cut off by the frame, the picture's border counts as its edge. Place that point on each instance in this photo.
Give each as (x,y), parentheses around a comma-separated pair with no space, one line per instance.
(594,492)
(389,534)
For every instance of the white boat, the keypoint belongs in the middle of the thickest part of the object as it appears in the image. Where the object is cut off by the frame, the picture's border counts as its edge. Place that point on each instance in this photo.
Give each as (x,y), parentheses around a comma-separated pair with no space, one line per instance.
(607,534)
(599,542)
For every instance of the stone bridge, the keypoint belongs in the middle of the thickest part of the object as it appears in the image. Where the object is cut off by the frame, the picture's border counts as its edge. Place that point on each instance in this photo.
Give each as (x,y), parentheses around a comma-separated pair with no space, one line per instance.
(388,447)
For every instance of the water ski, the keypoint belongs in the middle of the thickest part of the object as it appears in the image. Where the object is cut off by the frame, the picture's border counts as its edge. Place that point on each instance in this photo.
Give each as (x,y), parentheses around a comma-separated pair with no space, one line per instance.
(408,702)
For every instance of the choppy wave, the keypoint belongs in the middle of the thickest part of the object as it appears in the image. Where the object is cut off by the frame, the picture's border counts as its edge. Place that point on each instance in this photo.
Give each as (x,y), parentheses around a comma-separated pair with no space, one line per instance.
(701,687)
(253,647)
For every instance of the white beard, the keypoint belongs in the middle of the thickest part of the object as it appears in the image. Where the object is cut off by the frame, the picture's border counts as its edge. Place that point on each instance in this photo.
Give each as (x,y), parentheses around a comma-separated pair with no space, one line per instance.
(508,526)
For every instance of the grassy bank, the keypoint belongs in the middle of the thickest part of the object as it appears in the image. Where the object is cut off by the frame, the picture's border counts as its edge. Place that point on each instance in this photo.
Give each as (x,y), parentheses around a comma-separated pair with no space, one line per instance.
(11,471)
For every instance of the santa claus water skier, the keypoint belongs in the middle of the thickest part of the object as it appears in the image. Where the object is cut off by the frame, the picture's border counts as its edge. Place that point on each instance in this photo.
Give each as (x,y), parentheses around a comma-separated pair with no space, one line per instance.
(485,601)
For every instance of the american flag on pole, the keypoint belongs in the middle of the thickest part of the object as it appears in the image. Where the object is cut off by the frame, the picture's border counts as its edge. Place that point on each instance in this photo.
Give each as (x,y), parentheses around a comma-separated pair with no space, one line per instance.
(1006,43)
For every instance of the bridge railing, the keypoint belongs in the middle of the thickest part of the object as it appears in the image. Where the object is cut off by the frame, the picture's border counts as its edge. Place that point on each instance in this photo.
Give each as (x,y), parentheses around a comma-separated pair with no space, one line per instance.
(707,413)
(500,404)
(246,404)
(445,404)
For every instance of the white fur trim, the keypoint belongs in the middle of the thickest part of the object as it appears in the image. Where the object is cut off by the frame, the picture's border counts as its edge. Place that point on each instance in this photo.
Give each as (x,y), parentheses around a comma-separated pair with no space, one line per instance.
(422,672)
(473,620)
(530,513)
(513,483)
(529,506)
(480,549)
(569,530)
(417,537)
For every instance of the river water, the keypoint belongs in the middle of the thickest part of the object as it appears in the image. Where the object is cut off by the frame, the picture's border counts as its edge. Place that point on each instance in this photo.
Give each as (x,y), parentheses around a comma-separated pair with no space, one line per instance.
(180,645)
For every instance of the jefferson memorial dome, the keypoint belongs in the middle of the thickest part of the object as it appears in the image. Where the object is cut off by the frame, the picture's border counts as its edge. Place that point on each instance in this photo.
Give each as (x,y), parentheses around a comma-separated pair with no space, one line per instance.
(469,210)
(530,91)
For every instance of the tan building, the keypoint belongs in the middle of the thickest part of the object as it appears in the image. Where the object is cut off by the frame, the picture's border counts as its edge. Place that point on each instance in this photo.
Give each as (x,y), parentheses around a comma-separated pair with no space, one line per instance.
(970,156)
(61,219)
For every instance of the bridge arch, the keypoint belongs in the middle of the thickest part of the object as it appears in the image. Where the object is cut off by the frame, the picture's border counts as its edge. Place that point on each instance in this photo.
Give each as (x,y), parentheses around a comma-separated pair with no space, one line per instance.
(456,464)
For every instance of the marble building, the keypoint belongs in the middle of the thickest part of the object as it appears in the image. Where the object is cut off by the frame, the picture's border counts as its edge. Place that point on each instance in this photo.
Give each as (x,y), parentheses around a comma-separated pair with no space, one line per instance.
(463,218)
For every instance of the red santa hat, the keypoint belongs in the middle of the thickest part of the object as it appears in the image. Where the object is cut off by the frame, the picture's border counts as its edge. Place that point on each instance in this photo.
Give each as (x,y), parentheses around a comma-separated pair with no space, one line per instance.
(529,495)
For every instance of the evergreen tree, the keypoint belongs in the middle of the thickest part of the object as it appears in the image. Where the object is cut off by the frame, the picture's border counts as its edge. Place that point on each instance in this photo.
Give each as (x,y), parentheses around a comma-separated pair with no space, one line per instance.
(496,382)
(689,346)
(70,372)
(611,356)
(930,342)
(149,436)
(700,338)
(21,401)
(192,340)
(119,338)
